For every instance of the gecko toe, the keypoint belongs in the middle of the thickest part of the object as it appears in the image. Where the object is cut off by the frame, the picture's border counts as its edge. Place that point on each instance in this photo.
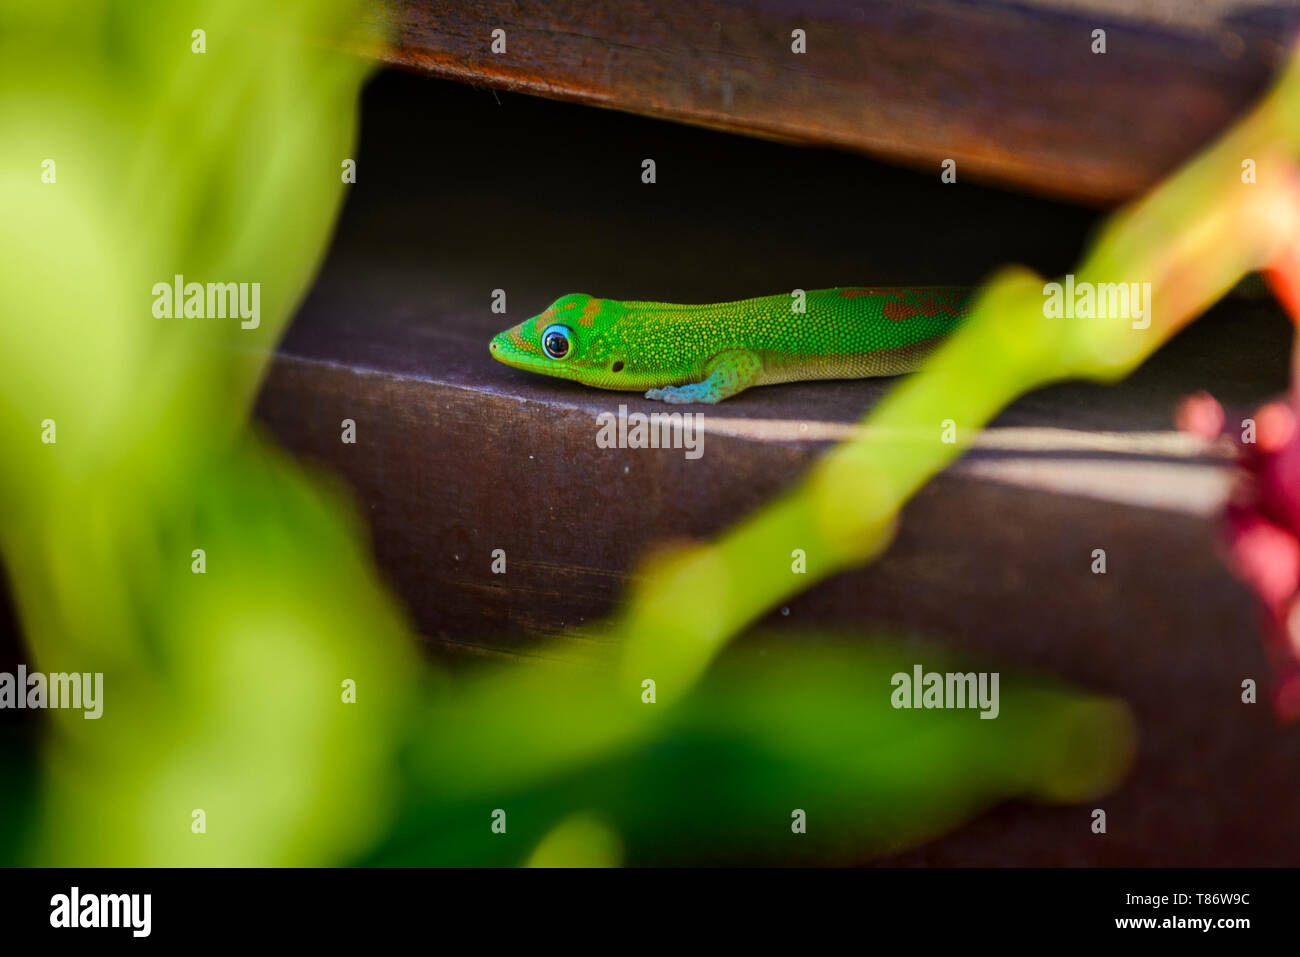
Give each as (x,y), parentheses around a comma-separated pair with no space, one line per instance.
(683,394)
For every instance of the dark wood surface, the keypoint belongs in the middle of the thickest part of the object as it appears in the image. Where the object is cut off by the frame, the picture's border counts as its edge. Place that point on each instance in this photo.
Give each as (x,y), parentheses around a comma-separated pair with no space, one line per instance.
(458,455)
(1011,90)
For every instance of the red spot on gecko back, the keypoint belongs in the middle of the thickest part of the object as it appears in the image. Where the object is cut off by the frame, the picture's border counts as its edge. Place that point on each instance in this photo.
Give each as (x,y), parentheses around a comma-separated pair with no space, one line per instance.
(902,303)
(929,306)
(897,311)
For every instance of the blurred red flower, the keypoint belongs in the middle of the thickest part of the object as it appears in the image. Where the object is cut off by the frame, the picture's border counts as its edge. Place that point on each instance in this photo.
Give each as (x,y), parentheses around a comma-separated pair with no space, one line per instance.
(1261,521)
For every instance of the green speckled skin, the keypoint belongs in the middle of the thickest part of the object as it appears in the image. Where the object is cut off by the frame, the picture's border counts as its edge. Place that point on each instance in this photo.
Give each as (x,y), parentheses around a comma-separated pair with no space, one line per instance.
(707,353)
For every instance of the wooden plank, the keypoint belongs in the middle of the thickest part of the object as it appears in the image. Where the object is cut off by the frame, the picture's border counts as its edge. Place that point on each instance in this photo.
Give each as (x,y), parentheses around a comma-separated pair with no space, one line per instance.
(1012,91)
(458,459)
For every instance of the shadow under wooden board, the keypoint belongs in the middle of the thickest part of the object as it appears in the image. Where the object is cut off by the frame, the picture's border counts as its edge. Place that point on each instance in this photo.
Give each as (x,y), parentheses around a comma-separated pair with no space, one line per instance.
(1014,92)
(457,455)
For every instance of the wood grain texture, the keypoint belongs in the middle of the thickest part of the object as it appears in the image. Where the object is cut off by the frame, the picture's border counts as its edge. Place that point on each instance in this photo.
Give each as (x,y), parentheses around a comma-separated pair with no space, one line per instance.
(1011,91)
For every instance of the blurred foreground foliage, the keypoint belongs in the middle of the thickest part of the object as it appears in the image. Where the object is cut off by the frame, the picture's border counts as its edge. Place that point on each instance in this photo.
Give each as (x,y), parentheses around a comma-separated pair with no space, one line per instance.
(222,690)
(805,725)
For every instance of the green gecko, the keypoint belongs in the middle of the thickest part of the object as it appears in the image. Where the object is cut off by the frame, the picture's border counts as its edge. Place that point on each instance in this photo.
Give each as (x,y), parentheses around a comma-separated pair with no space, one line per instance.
(709,353)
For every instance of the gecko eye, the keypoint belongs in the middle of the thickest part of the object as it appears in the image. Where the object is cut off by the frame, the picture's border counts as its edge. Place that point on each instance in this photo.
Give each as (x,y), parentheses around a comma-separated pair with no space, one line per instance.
(555,341)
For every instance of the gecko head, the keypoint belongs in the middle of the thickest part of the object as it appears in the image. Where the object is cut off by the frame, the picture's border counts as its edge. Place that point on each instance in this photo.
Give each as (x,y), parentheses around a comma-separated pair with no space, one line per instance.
(573,338)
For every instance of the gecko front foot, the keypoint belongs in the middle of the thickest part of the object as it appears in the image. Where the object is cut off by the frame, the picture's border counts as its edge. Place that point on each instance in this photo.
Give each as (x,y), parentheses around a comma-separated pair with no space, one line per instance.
(727,373)
(682,394)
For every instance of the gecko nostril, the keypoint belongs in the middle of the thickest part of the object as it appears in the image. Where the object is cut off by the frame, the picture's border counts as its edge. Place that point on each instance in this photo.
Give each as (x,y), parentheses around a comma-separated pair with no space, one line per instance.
(617,367)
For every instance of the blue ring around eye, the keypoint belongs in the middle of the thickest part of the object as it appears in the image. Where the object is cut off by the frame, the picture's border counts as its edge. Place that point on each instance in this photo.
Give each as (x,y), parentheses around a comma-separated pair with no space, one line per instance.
(556,342)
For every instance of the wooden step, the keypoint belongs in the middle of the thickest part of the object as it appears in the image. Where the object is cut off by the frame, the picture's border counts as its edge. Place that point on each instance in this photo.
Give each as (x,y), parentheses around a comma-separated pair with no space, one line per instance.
(1010,89)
